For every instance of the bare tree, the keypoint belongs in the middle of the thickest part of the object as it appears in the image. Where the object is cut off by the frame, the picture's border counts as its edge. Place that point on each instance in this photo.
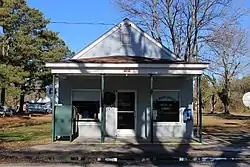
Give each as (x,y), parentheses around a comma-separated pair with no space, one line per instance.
(180,23)
(228,48)
(185,26)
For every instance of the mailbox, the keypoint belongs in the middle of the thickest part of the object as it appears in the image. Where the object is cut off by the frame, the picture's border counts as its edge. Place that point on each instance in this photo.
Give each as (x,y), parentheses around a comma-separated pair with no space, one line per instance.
(64,121)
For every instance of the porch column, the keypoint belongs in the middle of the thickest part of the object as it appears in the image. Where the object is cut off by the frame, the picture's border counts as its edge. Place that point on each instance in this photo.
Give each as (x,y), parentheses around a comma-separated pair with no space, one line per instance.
(200,108)
(151,109)
(103,110)
(197,105)
(53,109)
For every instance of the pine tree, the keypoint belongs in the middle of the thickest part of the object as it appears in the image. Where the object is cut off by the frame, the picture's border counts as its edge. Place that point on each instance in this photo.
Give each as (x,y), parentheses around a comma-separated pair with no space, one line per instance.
(27,43)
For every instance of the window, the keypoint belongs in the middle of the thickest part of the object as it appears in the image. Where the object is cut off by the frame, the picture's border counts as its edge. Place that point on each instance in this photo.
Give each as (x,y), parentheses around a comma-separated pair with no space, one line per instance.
(166,106)
(126,101)
(87,103)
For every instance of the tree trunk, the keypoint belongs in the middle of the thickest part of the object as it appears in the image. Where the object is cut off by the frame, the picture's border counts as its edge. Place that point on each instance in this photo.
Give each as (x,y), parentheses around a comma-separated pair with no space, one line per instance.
(225,102)
(3,95)
(212,104)
(21,103)
(226,108)
(212,108)
(224,96)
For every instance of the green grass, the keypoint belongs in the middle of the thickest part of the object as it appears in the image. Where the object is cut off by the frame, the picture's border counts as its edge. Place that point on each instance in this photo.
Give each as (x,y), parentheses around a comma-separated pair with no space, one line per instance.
(32,132)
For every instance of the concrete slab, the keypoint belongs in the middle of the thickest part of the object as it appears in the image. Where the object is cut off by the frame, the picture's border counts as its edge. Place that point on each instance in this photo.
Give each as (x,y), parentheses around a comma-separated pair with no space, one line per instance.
(133,140)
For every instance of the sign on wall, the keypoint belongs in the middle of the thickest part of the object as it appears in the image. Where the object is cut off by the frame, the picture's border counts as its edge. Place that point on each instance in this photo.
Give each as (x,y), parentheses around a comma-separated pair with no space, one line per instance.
(166,106)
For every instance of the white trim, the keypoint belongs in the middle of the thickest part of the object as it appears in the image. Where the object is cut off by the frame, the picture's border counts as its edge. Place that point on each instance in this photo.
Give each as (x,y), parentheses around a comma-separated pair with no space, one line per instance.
(86,90)
(125,75)
(126,132)
(126,111)
(80,123)
(123,65)
(157,124)
(166,90)
(115,28)
(121,71)
(112,68)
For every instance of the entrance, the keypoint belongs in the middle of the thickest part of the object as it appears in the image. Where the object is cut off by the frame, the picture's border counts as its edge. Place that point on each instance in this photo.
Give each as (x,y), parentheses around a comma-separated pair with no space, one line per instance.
(126,112)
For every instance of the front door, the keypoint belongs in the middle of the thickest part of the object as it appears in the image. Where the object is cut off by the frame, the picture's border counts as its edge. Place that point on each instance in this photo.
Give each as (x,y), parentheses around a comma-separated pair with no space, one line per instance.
(126,109)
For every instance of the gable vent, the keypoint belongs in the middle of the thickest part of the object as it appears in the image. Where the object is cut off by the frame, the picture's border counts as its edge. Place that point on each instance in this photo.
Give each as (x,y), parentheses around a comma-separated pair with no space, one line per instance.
(125,38)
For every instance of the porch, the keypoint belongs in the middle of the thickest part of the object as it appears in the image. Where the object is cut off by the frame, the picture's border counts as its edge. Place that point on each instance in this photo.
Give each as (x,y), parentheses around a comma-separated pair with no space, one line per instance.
(140,124)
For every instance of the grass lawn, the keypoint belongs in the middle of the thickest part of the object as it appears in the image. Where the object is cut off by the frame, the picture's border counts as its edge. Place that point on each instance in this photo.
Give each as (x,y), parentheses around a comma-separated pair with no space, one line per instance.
(25,131)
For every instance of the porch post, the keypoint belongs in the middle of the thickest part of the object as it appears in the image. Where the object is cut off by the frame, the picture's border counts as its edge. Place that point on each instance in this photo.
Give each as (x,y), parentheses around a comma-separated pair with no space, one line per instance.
(200,108)
(53,109)
(197,105)
(151,109)
(103,111)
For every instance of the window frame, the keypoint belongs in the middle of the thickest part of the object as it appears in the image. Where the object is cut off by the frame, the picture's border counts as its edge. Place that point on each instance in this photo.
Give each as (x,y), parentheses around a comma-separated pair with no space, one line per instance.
(89,120)
(180,113)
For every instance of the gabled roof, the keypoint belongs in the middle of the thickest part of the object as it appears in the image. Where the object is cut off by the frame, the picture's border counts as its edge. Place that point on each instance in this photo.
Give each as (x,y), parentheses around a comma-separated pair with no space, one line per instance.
(80,55)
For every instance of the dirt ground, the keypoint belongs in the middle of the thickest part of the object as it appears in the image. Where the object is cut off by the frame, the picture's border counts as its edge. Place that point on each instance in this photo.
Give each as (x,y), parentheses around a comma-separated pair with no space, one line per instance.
(220,123)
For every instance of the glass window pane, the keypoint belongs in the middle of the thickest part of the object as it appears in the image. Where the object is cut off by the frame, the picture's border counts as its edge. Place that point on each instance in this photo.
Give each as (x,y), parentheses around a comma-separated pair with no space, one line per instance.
(125,121)
(87,103)
(166,106)
(126,101)
(87,109)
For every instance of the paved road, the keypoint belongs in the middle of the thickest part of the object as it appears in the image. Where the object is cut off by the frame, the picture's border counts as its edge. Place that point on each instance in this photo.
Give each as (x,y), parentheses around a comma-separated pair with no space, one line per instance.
(214,164)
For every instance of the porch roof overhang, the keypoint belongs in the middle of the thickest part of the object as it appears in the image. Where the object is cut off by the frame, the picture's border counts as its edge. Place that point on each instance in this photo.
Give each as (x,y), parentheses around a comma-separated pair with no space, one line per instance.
(82,68)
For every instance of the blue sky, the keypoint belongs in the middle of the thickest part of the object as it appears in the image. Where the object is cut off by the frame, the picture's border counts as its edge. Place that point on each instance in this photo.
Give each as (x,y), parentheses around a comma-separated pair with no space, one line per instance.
(78,36)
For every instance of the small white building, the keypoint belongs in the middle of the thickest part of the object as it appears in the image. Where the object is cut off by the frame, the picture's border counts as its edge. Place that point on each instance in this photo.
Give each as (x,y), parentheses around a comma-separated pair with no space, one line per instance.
(125,83)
